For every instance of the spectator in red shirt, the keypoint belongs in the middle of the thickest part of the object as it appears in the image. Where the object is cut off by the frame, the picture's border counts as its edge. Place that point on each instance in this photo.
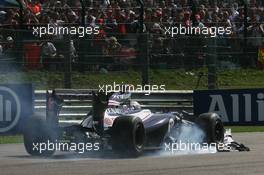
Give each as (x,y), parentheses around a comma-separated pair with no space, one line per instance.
(35,7)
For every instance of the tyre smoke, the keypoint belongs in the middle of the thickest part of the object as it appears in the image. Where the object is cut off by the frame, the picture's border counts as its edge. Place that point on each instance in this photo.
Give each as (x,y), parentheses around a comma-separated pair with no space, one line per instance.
(186,139)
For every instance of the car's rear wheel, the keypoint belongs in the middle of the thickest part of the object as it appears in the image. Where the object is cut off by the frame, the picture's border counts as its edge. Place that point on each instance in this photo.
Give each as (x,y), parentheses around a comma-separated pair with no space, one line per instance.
(128,136)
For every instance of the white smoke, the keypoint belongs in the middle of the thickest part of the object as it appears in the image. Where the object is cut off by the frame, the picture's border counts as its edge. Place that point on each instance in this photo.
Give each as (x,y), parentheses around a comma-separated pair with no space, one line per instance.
(189,139)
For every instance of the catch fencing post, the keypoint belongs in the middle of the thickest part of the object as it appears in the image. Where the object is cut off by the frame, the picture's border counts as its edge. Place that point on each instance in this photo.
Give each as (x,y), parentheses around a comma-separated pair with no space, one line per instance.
(212,73)
(143,43)
(81,65)
(246,62)
(144,57)
(245,21)
(68,64)
(19,44)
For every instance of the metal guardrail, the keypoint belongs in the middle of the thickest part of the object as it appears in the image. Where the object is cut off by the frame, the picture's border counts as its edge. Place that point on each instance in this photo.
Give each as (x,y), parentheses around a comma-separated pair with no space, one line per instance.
(78,102)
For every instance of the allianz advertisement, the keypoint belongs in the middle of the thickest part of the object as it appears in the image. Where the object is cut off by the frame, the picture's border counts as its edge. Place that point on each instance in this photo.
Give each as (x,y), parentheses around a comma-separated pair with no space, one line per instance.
(243,106)
(16,105)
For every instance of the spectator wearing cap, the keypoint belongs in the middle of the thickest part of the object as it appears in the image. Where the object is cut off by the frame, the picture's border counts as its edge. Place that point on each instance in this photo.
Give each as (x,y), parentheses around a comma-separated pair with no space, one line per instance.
(49,57)
(112,52)
(113,46)
(2,16)
(8,48)
(105,3)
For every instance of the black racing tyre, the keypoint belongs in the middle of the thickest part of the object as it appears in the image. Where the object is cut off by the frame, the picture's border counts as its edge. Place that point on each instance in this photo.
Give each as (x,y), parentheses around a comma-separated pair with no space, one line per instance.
(213,127)
(128,136)
(37,132)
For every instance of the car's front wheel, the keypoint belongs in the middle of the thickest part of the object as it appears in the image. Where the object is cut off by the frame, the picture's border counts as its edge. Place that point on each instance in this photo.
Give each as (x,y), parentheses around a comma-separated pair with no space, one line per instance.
(213,127)
(38,137)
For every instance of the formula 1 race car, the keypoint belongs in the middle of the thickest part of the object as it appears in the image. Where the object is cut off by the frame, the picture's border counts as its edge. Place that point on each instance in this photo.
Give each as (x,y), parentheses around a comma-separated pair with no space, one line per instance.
(116,123)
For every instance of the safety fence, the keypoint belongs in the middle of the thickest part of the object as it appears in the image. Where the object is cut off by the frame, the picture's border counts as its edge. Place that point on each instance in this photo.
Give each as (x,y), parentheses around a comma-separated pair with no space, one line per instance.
(119,52)
(136,52)
(78,102)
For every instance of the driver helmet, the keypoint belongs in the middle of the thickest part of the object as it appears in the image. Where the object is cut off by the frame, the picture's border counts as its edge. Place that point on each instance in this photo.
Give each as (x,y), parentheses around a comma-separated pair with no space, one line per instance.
(121,97)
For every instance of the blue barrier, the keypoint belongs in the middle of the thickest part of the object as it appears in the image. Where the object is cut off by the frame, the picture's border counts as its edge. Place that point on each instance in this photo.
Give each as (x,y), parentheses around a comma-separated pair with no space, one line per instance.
(16,105)
(241,106)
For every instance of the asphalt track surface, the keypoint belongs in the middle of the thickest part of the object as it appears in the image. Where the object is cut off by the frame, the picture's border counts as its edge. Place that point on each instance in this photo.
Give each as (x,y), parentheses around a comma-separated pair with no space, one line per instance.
(15,161)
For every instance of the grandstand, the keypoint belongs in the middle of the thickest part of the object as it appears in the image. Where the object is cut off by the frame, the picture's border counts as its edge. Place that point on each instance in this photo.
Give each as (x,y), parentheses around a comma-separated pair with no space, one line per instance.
(118,44)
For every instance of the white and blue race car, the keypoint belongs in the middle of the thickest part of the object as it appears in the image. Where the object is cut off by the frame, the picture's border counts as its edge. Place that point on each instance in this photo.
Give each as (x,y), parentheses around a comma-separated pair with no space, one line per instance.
(117,123)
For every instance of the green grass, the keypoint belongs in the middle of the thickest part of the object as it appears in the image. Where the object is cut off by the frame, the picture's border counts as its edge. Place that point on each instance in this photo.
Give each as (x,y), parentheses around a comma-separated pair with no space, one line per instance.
(235,129)
(11,139)
(173,79)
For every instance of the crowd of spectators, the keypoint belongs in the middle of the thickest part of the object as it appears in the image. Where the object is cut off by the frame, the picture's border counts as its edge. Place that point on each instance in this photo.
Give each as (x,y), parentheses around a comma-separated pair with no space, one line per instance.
(119,19)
